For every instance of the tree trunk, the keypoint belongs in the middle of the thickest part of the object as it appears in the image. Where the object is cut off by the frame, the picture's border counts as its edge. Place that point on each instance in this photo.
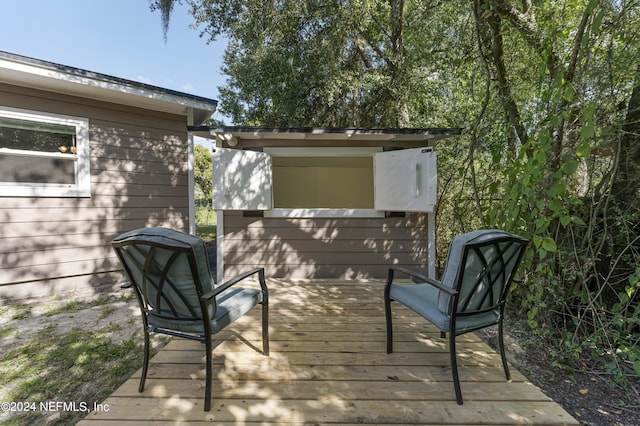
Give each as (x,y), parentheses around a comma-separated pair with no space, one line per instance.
(622,224)
(626,184)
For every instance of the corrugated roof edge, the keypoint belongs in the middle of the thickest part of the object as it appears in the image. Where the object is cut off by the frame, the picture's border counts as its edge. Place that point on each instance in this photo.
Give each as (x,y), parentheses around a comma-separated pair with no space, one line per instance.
(101,77)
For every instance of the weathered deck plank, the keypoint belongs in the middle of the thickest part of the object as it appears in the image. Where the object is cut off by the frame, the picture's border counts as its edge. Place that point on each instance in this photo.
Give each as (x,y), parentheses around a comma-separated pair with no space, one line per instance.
(328,365)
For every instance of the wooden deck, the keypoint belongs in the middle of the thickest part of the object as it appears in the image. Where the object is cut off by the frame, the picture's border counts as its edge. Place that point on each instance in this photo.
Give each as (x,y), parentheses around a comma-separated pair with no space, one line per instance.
(328,364)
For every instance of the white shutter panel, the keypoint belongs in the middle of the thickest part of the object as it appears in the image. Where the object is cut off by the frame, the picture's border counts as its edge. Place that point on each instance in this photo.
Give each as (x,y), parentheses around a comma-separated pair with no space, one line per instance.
(241,180)
(406,180)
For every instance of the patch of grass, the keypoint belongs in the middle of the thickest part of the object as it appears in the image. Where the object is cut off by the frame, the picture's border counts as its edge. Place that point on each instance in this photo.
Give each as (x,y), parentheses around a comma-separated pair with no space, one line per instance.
(7,331)
(21,312)
(115,326)
(127,296)
(206,232)
(69,307)
(106,312)
(81,366)
(206,216)
(101,301)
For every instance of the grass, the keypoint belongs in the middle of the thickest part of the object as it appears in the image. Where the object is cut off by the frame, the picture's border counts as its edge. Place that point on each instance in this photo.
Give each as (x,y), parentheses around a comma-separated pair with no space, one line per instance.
(68,307)
(21,312)
(7,331)
(205,216)
(207,233)
(107,311)
(81,365)
(206,221)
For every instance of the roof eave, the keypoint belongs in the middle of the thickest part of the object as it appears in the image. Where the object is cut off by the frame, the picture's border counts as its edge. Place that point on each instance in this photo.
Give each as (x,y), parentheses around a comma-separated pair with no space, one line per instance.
(28,72)
(317,133)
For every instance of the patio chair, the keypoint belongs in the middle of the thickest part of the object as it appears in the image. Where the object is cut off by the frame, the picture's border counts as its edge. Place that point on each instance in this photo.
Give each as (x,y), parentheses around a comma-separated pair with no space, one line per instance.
(470,295)
(170,274)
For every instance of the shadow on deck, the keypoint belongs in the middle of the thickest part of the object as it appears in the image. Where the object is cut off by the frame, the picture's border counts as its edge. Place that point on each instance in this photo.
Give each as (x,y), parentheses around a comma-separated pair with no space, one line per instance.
(329,364)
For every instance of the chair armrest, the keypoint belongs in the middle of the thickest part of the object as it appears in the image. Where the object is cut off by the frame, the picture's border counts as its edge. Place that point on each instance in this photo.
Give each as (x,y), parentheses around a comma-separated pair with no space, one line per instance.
(229,283)
(421,278)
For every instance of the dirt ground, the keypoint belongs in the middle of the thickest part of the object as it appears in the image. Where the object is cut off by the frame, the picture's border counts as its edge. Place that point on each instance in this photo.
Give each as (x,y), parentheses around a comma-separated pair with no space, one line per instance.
(41,314)
(587,395)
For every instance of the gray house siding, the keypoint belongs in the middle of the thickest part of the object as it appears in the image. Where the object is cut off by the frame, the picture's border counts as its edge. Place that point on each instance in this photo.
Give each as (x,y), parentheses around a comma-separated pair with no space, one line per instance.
(139,177)
(354,248)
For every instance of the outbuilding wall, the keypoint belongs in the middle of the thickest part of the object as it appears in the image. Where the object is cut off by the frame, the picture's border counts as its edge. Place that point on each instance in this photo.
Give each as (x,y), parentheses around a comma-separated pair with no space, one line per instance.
(344,248)
(139,177)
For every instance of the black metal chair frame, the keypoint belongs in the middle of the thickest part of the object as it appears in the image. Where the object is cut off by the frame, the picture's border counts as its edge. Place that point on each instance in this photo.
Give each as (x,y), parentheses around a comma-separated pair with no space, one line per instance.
(205,300)
(454,299)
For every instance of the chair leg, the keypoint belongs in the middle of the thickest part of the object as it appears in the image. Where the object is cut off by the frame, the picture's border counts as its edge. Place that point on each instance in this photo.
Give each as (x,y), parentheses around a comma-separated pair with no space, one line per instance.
(454,367)
(207,386)
(502,352)
(387,312)
(265,328)
(145,365)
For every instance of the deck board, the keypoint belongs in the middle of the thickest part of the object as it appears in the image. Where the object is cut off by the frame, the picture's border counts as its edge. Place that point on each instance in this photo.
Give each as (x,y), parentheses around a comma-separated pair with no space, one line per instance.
(328,365)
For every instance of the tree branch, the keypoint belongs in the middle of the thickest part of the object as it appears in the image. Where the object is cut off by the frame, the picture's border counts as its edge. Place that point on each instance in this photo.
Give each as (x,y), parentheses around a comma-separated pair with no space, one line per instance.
(526,24)
(497,50)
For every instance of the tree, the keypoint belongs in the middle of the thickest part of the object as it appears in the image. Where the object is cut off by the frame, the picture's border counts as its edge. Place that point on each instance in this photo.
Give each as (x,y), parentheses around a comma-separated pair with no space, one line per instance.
(294,63)
(203,170)
(571,181)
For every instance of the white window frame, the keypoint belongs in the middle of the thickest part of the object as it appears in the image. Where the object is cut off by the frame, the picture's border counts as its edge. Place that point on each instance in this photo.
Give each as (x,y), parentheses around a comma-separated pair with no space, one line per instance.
(319,212)
(82,185)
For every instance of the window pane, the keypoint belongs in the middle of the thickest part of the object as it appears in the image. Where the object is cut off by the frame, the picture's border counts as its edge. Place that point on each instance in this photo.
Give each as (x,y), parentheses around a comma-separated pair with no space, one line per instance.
(24,169)
(323,182)
(37,136)
(43,154)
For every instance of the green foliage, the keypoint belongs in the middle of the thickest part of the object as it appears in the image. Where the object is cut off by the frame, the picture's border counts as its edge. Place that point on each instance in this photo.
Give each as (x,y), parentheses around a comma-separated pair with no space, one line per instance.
(539,164)
(202,170)
(306,63)
(205,215)
(550,100)
(206,232)
(555,184)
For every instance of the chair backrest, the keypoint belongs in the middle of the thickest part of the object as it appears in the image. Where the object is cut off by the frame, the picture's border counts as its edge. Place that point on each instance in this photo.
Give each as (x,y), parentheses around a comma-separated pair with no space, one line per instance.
(170,272)
(480,266)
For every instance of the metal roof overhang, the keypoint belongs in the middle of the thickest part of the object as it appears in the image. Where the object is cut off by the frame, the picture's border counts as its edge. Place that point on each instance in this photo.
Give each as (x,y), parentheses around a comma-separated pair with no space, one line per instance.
(34,73)
(346,135)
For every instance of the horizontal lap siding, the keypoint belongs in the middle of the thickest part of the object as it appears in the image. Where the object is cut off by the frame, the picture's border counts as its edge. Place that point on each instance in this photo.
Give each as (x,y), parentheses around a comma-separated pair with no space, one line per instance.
(324,248)
(138,178)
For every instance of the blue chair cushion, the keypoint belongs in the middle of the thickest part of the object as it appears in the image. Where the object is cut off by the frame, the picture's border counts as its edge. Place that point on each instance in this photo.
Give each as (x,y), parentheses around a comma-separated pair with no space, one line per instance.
(422,298)
(230,305)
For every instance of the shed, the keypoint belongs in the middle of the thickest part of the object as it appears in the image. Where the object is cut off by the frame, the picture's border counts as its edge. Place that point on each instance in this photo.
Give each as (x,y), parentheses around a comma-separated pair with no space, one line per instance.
(324,202)
(83,157)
